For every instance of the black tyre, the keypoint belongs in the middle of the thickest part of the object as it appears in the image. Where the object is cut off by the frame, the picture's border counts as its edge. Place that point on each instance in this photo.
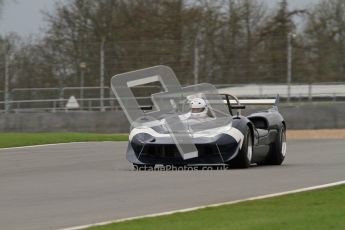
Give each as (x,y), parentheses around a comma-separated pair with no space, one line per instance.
(278,149)
(139,167)
(245,155)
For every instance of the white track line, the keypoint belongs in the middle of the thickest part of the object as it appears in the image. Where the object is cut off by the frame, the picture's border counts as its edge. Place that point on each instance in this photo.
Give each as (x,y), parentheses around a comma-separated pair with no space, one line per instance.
(207,206)
(49,145)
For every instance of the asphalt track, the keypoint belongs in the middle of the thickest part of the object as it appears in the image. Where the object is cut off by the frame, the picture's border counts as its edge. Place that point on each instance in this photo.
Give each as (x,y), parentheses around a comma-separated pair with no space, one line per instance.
(52,187)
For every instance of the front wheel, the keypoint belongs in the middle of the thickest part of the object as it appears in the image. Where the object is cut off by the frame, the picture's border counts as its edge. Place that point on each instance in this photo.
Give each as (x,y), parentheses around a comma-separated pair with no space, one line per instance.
(245,155)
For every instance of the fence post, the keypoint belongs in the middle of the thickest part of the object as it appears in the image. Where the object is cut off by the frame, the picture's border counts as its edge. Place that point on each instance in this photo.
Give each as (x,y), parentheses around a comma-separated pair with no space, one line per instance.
(111,98)
(7,83)
(54,106)
(260,90)
(102,74)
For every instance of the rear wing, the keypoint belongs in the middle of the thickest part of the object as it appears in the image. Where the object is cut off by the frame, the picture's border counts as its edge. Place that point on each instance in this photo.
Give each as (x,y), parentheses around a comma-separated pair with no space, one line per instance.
(234,103)
(254,101)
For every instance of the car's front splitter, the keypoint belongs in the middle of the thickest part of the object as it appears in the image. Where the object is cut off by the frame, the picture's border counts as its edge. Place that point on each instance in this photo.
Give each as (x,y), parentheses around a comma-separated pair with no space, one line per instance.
(149,150)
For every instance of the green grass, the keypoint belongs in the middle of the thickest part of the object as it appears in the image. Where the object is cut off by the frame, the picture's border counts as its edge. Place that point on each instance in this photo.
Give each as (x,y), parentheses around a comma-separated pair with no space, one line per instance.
(321,209)
(25,139)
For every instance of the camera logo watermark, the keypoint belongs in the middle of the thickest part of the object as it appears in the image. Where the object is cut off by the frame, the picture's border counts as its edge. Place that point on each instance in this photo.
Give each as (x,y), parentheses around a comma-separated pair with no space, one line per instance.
(182,168)
(168,104)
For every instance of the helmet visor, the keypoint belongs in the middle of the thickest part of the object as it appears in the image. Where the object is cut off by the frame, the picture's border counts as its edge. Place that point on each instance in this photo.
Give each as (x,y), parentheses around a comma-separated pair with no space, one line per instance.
(197,110)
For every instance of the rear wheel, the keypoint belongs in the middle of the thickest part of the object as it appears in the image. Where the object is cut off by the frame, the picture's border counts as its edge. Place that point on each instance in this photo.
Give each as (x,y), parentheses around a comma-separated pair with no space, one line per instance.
(245,155)
(278,148)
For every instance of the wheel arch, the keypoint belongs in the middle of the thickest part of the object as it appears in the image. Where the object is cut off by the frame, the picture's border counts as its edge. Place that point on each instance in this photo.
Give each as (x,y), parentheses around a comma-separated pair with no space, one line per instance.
(242,123)
(251,128)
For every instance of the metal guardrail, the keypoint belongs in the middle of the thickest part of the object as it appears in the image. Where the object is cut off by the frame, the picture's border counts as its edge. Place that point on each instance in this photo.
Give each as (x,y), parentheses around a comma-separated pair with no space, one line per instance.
(65,92)
(296,90)
(59,105)
(111,104)
(299,93)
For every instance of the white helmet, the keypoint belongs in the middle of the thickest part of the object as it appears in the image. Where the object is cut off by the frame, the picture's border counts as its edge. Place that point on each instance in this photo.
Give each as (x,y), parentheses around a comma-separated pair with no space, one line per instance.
(199,108)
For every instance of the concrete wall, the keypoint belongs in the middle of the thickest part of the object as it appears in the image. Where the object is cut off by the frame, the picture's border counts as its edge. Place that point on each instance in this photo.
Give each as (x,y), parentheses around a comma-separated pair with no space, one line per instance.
(307,116)
(325,116)
(97,122)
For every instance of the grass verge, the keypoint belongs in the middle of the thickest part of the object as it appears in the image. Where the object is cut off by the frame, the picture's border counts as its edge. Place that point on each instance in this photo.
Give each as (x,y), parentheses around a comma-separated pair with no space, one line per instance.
(8,140)
(317,210)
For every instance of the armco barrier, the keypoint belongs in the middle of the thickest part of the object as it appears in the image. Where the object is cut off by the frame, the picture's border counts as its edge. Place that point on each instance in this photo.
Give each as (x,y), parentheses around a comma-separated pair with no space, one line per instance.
(307,116)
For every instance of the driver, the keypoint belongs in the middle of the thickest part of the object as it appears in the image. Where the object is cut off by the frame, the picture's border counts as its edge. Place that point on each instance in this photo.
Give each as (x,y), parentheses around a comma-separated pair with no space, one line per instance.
(199,108)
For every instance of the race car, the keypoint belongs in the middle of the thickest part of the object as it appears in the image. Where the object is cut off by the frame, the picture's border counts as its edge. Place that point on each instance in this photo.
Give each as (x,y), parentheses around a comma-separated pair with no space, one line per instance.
(258,138)
(198,126)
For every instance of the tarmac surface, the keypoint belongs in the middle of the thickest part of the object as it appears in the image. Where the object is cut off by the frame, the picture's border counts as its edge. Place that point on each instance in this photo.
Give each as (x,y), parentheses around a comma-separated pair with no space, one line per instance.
(58,186)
